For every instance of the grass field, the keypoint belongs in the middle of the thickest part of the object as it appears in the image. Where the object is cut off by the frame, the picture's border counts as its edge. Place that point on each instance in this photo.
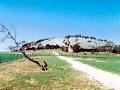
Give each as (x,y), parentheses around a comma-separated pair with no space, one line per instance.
(24,75)
(11,56)
(105,61)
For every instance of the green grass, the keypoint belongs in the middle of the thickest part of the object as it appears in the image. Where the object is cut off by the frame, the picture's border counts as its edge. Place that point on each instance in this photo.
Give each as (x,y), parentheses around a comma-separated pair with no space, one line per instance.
(83,54)
(45,78)
(12,56)
(105,61)
(24,75)
(57,69)
(43,52)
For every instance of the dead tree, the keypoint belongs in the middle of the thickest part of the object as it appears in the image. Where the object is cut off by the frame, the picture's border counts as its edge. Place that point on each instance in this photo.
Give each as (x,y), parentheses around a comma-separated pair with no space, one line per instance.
(4,29)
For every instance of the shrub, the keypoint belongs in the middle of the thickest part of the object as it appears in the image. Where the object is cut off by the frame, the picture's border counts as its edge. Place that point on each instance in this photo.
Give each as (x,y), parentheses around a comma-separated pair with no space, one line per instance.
(63,48)
(76,48)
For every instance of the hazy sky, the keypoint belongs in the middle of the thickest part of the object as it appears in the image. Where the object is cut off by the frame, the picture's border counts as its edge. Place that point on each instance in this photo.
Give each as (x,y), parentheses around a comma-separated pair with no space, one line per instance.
(35,19)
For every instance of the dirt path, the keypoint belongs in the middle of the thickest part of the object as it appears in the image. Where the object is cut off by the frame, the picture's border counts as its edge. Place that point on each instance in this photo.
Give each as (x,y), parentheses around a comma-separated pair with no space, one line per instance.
(108,79)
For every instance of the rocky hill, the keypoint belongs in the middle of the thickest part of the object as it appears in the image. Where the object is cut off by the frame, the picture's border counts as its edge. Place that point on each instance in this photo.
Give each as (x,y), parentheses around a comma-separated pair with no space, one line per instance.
(84,42)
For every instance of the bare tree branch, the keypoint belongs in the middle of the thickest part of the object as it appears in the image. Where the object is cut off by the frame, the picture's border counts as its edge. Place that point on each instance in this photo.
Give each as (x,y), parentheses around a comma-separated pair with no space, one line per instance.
(4,29)
(15,33)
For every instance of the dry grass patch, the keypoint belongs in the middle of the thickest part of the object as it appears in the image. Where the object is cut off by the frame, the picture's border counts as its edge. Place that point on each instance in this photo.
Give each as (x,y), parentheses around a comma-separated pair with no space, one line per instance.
(77,81)
(24,75)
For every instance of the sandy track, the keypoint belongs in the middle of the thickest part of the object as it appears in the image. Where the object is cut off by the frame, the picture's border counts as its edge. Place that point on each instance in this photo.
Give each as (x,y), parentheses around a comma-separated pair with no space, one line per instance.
(108,79)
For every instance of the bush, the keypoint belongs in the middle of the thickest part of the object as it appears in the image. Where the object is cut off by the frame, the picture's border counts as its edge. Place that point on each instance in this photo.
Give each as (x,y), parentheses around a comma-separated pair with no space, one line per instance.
(63,48)
(116,49)
(84,53)
(76,48)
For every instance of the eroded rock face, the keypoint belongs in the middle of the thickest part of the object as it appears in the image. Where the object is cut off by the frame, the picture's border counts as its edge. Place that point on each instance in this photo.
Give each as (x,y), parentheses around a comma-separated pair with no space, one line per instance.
(82,41)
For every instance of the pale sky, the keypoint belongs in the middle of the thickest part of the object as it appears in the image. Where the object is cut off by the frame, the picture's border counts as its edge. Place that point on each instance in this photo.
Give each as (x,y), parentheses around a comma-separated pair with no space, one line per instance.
(35,19)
